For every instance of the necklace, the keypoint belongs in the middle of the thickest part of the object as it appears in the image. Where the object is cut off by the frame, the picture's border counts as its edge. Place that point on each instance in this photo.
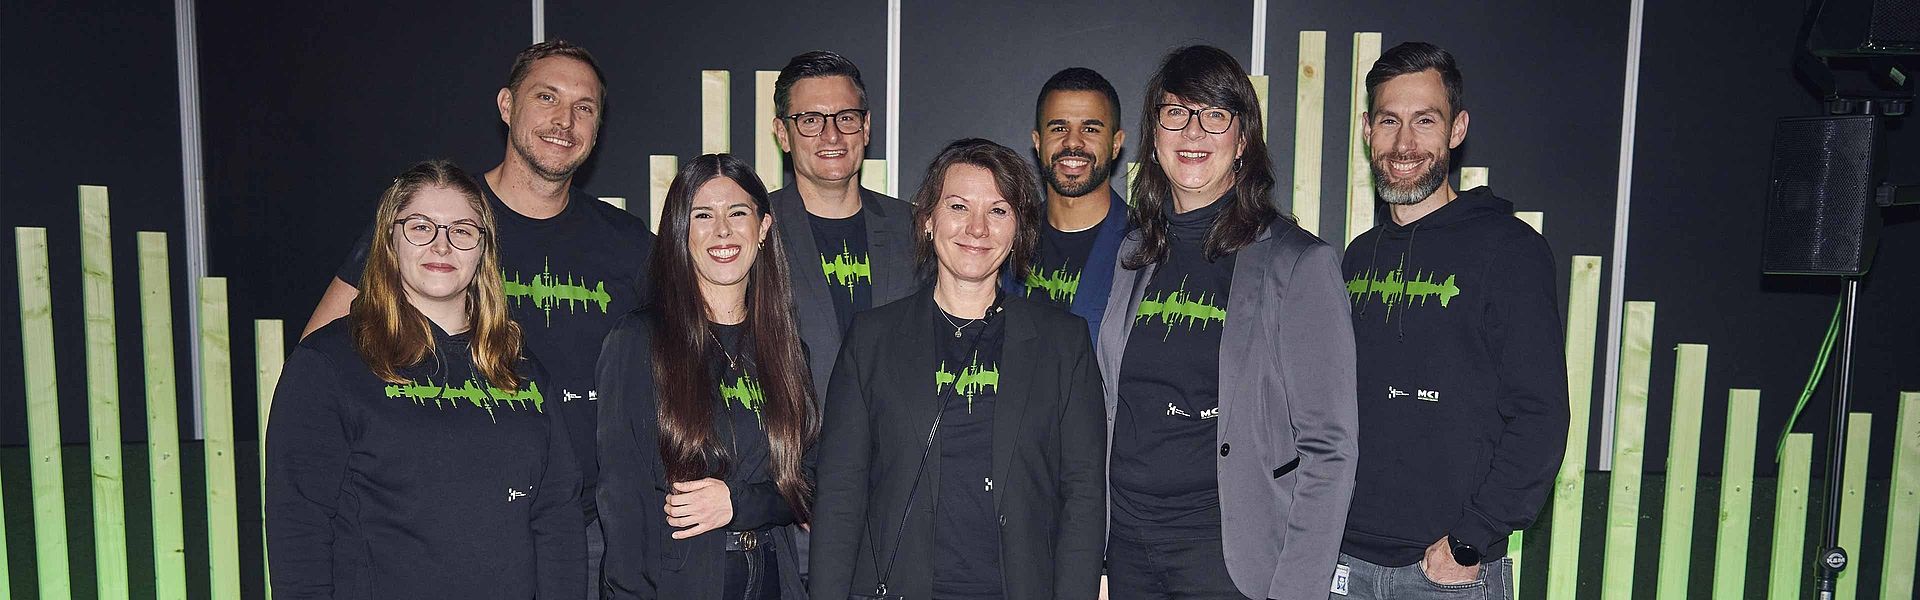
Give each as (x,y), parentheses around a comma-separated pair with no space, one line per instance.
(957,328)
(733,362)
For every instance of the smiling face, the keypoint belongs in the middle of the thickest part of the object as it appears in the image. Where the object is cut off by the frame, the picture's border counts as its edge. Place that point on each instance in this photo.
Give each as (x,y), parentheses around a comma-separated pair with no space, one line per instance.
(437,273)
(1078,138)
(724,232)
(831,156)
(972,226)
(1410,132)
(553,118)
(1200,164)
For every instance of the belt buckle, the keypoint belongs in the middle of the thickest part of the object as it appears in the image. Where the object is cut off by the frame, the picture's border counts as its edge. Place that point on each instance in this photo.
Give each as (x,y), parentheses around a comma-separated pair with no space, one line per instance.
(749,540)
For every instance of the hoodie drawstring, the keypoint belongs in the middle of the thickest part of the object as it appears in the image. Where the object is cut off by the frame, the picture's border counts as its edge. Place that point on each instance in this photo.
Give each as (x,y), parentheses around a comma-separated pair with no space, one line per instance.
(1406,274)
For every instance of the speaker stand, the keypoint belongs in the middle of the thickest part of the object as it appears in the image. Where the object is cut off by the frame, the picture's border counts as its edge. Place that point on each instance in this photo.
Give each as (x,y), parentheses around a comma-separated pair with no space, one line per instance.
(1833,559)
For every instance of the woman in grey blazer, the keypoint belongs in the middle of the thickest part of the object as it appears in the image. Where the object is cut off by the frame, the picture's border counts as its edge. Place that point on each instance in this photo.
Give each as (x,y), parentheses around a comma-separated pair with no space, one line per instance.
(1233,348)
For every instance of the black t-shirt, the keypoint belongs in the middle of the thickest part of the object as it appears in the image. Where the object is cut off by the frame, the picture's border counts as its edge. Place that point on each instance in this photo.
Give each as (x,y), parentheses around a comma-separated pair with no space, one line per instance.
(1054,277)
(739,421)
(567,278)
(966,528)
(1165,481)
(844,262)
(377,489)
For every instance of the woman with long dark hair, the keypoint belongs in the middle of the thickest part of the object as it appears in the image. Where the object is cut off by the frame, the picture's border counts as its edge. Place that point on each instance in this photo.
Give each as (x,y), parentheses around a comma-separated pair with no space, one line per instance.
(706,409)
(962,452)
(412,452)
(1232,350)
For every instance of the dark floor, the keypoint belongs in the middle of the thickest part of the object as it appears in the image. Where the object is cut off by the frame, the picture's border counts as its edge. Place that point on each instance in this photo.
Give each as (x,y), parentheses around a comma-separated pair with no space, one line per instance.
(20,550)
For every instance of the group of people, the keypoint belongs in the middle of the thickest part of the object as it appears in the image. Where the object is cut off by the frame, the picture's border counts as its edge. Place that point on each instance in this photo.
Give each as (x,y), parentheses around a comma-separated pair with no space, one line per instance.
(1011,386)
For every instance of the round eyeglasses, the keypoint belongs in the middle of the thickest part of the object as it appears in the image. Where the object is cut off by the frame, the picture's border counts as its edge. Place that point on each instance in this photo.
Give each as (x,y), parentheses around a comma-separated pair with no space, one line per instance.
(1213,119)
(421,231)
(847,122)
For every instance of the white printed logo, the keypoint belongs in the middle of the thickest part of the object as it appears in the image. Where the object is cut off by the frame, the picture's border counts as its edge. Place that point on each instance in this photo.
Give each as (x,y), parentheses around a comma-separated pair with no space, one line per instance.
(1174,411)
(568,396)
(513,494)
(1210,413)
(1428,395)
(1394,392)
(989,481)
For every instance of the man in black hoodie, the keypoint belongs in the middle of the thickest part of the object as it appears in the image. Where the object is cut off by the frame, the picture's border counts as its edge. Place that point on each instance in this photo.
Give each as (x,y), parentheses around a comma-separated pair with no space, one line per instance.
(1462,380)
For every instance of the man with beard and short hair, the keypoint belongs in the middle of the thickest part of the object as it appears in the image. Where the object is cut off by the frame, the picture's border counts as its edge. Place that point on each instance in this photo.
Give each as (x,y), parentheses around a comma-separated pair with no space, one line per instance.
(1462,380)
(1076,138)
(571,263)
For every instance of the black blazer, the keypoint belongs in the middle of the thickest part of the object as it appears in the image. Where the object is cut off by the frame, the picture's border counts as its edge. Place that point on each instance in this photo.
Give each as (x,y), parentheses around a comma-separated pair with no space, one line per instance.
(643,560)
(1049,459)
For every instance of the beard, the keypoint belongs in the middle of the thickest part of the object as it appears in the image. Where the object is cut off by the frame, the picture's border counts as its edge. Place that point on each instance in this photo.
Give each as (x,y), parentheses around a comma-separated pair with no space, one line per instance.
(1097,171)
(546,169)
(1413,191)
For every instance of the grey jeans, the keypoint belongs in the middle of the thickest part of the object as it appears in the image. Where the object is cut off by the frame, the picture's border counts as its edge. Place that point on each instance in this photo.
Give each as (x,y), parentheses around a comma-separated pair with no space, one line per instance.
(1368,581)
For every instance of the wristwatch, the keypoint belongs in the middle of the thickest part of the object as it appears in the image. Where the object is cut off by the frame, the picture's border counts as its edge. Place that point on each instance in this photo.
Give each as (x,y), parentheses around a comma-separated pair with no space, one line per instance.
(1466,555)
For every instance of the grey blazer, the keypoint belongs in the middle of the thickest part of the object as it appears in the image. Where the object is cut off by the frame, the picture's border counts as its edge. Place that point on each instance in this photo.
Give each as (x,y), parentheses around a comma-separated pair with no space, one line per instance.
(890,255)
(1288,421)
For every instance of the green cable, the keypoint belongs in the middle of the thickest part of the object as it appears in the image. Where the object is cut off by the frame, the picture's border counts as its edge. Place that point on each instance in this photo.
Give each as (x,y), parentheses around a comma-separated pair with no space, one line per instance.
(1813,379)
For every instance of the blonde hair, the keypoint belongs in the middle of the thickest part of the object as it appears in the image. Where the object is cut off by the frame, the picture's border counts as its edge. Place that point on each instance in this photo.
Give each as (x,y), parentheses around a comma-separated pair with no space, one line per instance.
(389,333)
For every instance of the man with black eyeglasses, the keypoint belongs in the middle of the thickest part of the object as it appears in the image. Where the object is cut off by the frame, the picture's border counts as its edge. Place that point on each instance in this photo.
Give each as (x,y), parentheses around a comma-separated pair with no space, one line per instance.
(862,240)
(571,264)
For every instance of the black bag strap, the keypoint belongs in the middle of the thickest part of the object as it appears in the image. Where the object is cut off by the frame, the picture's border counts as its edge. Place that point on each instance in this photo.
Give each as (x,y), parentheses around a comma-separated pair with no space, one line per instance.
(880,587)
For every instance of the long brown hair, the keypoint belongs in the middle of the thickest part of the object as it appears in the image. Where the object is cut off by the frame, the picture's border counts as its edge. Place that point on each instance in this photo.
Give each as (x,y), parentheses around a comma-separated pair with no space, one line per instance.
(389,333)
(1204,75)
(682,346)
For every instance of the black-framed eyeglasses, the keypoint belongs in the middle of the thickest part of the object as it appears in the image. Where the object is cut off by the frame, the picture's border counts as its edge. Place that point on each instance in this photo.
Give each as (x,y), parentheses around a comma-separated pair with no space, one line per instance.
(1213,119)
(421,231)
(848,122)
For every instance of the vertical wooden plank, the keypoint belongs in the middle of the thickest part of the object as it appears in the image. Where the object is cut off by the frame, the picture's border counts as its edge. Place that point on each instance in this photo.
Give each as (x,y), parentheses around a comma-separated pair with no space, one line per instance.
(1736,495)
(1903,507)
(1262,87)
(661,168)
(715,103)
(43,413)
(1133,170)
(270,353)
(1569,488)
(1683,470)
(1473,177)
(1853,499)
(873,174)
(766,149)
(1366,50)
(216,405)
(163,418)
(103,395)
(616,201)
(1790,519)
(1629,447)
(1534,218)
(1309,128)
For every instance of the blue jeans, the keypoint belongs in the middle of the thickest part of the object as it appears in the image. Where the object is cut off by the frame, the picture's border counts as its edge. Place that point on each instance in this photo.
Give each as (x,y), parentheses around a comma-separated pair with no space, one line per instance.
(1368,581)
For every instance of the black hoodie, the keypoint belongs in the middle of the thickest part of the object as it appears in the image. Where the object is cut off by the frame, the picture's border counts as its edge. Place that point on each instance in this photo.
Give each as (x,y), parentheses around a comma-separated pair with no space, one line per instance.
(1462,380)
(444,487)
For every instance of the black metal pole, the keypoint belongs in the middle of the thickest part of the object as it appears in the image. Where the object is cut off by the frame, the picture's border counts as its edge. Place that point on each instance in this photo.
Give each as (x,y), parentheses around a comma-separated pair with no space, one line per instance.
(1833,558)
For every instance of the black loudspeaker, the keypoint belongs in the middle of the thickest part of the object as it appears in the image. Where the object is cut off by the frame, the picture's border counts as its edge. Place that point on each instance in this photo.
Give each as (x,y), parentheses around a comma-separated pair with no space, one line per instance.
(1867,28)
(1821,214)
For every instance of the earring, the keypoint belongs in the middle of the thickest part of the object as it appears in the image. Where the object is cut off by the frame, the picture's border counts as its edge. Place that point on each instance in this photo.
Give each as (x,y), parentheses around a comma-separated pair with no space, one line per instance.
(1236,164)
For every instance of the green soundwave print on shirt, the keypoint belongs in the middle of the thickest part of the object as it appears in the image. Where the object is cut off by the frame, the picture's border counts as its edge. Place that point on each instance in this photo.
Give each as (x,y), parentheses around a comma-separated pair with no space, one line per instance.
(745,391)
(969,382)
(1059,284)
(548,290)
(1181,308)
(481,395)
(1395,285)
(845,269)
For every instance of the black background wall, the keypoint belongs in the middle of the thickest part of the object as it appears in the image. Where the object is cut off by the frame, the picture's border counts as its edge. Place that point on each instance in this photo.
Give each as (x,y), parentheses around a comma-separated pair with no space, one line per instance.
(308,110)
